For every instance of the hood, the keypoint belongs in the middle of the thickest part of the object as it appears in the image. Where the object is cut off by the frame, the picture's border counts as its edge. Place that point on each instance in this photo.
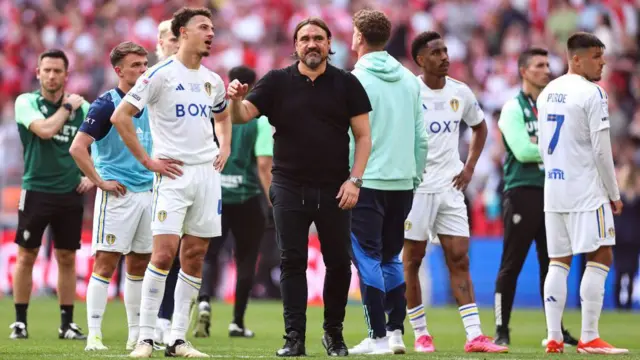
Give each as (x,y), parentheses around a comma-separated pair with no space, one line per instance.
(381,65)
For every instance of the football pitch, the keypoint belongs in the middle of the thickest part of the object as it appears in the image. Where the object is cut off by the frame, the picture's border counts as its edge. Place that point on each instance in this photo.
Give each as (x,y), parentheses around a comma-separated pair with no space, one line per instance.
(265,319)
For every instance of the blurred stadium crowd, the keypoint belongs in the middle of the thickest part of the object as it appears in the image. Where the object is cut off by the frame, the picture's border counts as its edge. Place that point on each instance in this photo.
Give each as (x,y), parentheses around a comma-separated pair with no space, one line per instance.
(484,39)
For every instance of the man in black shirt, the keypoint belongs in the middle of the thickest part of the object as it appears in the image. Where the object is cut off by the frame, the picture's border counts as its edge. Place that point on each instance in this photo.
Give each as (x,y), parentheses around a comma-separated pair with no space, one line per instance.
(312,106)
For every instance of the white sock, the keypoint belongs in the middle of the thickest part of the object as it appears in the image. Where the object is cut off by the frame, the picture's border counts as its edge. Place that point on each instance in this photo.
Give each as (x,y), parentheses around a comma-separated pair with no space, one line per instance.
(187,288)
(418,320)
(470,320)
(97,297)
(132,298)
(152,293)
(555,297)
(591,299)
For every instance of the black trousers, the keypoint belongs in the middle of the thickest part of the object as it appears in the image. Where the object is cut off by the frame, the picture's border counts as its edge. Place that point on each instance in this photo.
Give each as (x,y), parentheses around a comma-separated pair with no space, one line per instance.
(247,223)
(523,215)
(294,209)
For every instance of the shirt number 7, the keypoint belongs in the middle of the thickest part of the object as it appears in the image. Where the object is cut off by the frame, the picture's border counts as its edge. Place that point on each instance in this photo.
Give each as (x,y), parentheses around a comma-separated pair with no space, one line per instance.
(559,119)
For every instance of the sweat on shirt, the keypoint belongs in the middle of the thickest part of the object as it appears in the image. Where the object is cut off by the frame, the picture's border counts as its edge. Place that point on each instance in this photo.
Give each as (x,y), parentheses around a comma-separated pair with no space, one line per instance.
(398,132)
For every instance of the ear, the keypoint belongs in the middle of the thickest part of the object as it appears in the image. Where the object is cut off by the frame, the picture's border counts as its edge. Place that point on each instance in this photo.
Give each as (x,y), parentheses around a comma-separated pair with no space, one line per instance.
(38,73)
(420,60)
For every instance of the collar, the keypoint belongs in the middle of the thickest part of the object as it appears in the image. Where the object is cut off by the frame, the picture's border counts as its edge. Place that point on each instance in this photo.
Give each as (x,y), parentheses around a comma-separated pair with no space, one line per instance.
(54,104)
(296,72)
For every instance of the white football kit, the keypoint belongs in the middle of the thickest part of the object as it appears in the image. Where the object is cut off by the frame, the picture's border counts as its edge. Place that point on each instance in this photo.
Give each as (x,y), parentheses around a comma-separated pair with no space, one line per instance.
(180,103)
(438,207)
(578,214)
(121,223)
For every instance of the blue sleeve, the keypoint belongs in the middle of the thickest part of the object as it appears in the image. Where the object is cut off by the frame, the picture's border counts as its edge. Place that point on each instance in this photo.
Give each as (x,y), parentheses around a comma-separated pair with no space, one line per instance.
(98,121)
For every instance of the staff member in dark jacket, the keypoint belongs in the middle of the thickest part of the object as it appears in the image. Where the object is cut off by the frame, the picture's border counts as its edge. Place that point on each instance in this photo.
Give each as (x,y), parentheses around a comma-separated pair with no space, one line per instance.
(312,105)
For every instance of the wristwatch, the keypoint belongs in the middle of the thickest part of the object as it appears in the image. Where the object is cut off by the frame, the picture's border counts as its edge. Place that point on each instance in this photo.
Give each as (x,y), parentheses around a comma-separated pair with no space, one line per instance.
(68,107)
(356,181)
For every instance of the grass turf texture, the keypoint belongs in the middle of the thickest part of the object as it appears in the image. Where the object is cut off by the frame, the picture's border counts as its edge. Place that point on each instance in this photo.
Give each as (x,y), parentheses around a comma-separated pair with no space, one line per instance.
(265,319)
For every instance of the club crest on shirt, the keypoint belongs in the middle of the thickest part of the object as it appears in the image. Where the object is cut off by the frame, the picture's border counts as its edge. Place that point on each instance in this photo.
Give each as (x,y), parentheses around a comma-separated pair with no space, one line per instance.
(207,88)
(162,215)
(455,104)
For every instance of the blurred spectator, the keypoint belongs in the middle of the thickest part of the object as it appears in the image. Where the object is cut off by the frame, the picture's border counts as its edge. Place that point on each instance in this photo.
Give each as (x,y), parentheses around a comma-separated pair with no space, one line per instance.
(484,39)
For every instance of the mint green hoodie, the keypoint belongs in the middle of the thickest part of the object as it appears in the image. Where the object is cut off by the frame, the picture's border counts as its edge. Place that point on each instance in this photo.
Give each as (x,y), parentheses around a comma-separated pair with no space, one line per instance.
(398,133)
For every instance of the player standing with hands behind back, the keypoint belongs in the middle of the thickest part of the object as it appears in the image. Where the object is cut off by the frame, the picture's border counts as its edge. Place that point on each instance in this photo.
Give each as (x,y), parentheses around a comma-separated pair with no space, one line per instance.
(181,95)
(580,190)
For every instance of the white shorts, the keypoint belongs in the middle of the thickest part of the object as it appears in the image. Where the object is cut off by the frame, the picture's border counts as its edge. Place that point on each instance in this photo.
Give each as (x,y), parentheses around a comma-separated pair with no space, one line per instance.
(579,232)
(436,214)
(190,204)
(122,224)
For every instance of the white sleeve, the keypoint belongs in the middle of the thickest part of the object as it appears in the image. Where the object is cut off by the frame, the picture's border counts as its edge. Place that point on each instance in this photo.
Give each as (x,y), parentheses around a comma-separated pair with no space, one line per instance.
(473,114)
(601,142)
(146,90)
(597,109)
(219,100)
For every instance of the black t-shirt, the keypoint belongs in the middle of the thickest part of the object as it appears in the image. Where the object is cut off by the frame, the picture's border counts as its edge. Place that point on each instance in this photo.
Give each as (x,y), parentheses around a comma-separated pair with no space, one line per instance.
(312,121)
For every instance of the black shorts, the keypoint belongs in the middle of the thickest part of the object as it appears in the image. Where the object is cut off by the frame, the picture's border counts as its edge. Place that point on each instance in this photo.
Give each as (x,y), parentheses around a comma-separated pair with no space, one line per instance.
(63,212)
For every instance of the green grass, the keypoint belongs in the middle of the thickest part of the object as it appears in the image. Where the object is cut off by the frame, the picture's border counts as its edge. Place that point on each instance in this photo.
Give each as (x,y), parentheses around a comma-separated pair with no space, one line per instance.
(265,319)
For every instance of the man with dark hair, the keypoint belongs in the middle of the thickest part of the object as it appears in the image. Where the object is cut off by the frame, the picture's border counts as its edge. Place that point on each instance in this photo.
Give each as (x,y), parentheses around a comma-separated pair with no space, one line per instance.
(182,96)
(581,194)
(438,207)
(312,106)
(245,182)
(52,188)
(122,214)
(394,170)
(523,205)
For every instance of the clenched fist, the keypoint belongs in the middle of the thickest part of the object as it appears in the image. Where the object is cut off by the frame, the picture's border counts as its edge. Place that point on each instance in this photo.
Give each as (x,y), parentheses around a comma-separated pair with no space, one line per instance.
(237,90)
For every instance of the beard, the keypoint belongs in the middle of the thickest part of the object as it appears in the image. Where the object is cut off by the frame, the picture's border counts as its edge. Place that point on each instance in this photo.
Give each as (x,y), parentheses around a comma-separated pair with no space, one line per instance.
(313,59)
(52,89)
(204,53)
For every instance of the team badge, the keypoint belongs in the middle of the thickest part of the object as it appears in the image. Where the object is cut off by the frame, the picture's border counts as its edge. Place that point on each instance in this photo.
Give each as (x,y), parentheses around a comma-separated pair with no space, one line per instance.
(612,232)
(455,104)
(407,225)
(207,88)
(162,215)
(111,239)
(516,218)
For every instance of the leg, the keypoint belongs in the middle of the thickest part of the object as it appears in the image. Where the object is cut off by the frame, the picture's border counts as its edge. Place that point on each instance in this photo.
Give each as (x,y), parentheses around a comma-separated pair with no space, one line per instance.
(32,220)
(66,226)
(248,232)
(192,250)
(416,233)
(555,284)
(398,208)
(366,242)
(210,265)
(292,220)
(136,264)
(522,219)
(97,295)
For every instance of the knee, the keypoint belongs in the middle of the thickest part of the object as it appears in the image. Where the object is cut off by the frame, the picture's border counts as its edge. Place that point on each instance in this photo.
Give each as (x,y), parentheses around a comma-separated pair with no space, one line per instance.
(162,259)
(293,261)
(27,257)
(104,268)
(458,262)
(66,258)
(192,258)
(412,260)
(137,264)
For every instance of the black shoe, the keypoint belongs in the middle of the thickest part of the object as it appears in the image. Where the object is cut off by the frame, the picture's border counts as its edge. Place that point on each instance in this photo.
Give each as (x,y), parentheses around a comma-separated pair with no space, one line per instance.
(293,346)
(71,332)
(502,336)
(19,331)
(568,339)
(333,342)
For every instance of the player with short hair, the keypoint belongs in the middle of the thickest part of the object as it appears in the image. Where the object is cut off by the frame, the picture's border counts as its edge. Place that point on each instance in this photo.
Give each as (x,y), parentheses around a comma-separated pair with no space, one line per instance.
(167,42)
(523,214)
(395,168)
(52,188)
(438,205)
(581,194)
(181,95)
(122,213)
